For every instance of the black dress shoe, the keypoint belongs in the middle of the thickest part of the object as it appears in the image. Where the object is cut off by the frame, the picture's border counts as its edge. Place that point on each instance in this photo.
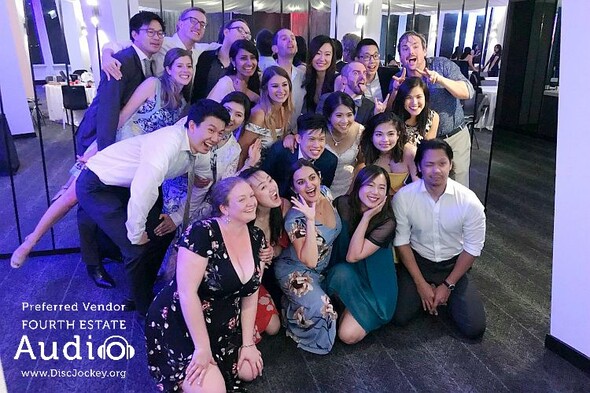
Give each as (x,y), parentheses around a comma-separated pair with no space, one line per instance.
(100,276)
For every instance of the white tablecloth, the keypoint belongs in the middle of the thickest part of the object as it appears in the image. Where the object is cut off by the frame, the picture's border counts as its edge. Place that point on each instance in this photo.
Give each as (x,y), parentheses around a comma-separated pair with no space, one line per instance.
(55,103)
(487,121)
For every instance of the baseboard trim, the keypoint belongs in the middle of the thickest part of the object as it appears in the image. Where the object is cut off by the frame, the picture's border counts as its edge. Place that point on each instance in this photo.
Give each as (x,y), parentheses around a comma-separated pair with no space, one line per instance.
(60,251)
(25,135)
(570,354)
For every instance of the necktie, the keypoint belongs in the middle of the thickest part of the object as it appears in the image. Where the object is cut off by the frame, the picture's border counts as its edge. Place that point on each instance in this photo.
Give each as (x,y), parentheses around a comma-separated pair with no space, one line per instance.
(358,101)
(189,190)
(148,66)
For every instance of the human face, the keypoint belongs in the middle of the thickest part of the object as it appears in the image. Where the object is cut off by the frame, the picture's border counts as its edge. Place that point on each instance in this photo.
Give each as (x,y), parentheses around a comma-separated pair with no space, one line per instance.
(148,45)
(342,118)
(369,56)
(236,115)
(323,58)
(204,136)
(415,101)
(373,192)
(356,78)
(245,63)
(385,137)
(286,44)
(412,54)
(435,167)
(265,189)
(192,26)
(312,143)
(181,70)
(237,31)
(306,183)
(278,89)
(241,204)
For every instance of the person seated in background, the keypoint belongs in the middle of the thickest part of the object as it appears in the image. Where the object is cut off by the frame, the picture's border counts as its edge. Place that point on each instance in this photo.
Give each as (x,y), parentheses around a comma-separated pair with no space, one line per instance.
(353,80)
(311,141)
(378,78)
(349,43)
(242,73)
(312,225)
(214,64)
(440,231)
(264,44)
(119,190)
(363,276)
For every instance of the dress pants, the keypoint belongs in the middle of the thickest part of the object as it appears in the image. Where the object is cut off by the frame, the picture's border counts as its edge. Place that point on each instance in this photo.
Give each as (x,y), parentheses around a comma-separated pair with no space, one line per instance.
(107,207)
(465,304)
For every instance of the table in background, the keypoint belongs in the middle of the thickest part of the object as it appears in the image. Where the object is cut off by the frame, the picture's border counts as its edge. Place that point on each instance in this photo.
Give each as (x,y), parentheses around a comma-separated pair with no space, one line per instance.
(55,103)
(487,121)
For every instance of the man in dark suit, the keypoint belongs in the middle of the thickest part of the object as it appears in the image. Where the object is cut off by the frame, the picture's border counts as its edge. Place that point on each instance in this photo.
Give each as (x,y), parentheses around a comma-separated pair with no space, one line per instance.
(102,117)
(311,142)
(378,78)
(100,121)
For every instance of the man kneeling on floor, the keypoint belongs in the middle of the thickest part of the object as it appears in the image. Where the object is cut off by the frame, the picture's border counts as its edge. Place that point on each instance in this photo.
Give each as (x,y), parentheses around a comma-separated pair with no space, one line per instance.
(440,231)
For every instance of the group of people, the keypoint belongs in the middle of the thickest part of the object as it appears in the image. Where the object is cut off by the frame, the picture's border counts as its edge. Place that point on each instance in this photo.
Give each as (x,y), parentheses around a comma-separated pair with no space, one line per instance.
(471,58)
(274,197)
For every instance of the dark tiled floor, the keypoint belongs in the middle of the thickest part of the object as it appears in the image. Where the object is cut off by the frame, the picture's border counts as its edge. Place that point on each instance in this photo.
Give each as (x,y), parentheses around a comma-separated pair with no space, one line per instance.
(513,274)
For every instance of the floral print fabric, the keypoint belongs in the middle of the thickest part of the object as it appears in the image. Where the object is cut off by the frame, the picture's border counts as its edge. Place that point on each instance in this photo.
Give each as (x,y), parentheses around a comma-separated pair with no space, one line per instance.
(169,345)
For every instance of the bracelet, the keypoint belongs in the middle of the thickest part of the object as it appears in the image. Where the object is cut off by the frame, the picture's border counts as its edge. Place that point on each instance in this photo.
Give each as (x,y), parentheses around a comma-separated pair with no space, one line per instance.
(248,346)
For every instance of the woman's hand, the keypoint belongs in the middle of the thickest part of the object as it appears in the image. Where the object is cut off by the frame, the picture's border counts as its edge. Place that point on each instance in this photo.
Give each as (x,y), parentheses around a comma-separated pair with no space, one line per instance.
(370,213)
(253,356)
(301,205)
(289,142)
(197,368)
(166,226)
(266,254)
(254,153)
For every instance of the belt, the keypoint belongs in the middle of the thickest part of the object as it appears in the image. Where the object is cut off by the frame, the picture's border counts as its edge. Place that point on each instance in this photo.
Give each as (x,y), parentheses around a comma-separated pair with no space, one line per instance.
(456,130)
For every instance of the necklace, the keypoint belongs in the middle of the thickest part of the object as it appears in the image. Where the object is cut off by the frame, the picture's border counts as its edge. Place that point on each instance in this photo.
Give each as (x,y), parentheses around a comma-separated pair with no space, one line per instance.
(336,142)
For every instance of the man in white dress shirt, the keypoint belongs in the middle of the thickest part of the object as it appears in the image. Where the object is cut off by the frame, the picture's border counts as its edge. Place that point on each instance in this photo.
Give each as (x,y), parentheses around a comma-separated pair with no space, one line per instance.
(440,231)
(119,189)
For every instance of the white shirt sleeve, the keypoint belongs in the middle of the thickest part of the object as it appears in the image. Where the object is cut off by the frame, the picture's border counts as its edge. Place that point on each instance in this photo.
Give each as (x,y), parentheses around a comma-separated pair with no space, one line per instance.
(402,228)
(474,228)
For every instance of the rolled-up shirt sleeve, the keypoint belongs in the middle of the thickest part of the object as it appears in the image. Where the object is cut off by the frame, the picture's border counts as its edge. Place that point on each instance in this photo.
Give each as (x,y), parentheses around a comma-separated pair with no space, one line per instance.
(474,229)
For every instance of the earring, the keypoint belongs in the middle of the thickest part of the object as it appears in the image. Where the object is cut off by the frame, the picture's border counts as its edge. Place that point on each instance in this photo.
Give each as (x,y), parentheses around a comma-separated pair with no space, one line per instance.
(226,219)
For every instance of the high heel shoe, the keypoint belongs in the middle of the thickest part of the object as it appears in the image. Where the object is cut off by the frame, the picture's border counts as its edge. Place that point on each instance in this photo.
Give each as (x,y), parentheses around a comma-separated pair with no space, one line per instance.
(20,255)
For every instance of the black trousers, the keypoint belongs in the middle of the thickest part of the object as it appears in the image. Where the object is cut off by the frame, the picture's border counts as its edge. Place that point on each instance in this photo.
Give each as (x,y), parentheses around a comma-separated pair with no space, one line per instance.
(106,206)
(465,304)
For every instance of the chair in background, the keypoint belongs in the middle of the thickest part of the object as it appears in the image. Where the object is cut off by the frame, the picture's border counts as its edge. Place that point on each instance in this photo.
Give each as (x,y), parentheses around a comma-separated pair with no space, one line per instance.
(74,99)
(35,112)
(474,112)
(79,72)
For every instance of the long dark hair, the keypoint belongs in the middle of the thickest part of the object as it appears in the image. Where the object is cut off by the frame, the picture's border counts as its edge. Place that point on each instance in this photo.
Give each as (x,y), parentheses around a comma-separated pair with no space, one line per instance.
(248,46)
(311,74)
(400,98)
(370,153)
(364,176)
(172,92)
(334,100)
(300,163)
(276,222)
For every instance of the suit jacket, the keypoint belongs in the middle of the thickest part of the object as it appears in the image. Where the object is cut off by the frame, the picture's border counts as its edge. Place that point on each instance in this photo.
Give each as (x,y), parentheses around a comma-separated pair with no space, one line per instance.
(102,117)
(385,74)
(278,162)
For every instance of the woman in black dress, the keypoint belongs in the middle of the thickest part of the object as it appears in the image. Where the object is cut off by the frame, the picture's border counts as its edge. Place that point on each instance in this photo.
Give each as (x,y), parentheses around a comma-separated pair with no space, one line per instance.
(199,328)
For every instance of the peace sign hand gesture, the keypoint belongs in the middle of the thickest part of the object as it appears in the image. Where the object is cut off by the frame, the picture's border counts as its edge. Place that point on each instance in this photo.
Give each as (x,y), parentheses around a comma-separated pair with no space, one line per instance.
(432,76)
(398,80)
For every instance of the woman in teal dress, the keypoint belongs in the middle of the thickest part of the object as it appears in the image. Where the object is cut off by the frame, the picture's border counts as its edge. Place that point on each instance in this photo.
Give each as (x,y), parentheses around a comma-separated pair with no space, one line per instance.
(312,225)
(363,276)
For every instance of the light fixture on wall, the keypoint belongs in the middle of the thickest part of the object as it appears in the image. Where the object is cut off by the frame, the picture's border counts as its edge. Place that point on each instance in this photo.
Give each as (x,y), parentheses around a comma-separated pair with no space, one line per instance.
(361,9)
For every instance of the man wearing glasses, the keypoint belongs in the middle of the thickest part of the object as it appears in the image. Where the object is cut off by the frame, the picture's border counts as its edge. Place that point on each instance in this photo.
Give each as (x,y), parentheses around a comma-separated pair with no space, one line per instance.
(378,78)
(213,63)
(190,29)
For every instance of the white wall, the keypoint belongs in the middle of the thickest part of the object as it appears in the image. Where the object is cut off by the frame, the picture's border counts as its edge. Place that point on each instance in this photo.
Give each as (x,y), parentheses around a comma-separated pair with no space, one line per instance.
(570,308)
(346,19)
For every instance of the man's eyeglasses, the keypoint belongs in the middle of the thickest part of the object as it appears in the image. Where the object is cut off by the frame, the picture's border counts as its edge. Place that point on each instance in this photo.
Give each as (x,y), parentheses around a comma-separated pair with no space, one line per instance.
(194,21)
(368,57)
(152,32)
(241,30)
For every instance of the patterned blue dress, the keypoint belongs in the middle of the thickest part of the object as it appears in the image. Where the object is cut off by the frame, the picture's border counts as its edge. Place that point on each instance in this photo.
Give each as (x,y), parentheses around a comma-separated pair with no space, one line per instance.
(308,314)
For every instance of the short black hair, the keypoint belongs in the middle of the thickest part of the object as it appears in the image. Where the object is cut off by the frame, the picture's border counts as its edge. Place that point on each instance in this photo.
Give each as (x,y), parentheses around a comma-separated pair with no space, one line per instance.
(311,121)
(365,42)
(239,98)
(433,144)
(143,18)
(204,108)
(336,99)
(264,42)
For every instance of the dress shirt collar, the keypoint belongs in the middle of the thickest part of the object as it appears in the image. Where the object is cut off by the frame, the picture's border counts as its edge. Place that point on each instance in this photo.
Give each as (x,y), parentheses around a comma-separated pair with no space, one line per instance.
(140,53)
(186,145)
(449,189)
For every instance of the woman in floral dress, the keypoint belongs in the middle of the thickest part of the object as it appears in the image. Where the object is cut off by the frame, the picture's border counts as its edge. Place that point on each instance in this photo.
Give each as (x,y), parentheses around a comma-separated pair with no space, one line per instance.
(312,225)
(199,328)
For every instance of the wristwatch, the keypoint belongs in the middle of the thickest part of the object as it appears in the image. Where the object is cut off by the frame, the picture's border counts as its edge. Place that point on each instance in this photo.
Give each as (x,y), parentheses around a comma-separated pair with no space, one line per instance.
(450,286)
